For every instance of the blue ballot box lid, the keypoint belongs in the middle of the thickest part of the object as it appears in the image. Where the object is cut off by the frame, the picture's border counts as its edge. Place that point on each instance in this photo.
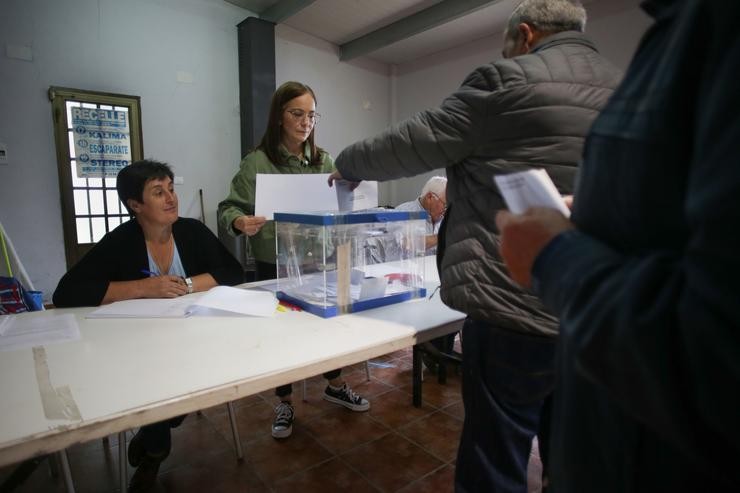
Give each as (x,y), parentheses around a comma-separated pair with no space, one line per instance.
(326,218)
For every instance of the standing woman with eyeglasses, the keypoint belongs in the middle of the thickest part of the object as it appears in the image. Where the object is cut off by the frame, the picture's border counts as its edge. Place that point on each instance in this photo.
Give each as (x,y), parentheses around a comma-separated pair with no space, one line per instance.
(287,147)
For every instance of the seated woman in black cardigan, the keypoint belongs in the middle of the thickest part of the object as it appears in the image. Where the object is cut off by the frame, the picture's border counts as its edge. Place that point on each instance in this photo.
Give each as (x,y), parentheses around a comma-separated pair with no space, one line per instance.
(154,255)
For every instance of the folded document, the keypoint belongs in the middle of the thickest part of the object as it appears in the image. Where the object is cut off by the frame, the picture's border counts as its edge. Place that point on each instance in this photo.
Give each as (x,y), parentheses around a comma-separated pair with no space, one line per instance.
(532,188)
(221,300)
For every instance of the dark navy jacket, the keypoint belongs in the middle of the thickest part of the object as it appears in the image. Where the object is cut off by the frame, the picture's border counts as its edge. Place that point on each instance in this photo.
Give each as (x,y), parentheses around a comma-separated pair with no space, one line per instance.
(648,288)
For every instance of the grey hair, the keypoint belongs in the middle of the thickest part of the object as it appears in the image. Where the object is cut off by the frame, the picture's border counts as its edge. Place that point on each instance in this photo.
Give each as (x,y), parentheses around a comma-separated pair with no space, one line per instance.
(551,16)
(436,184)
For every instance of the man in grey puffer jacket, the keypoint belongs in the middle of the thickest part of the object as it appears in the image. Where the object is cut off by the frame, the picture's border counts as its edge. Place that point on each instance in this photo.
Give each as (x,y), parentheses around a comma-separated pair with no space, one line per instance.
(532,109)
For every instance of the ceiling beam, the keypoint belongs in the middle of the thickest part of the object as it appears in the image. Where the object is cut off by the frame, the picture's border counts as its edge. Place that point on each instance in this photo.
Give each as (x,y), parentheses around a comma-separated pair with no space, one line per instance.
(436,15)
(284,9)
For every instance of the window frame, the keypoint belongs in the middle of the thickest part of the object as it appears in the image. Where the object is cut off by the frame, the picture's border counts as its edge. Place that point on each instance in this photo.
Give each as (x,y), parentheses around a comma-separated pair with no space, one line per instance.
(59,96)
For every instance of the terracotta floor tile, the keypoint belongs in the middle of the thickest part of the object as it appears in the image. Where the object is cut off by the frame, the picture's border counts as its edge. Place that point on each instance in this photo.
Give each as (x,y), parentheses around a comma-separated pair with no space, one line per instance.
(253,421)
(333,476)
(440,481)
(438,433)
(457,410)
(366,389)
(313,406)
(275,459)
(340,430)
(394,409)
(437,394)
(216,473)
(397,375)
(391,462)
(194,438)
(407,359)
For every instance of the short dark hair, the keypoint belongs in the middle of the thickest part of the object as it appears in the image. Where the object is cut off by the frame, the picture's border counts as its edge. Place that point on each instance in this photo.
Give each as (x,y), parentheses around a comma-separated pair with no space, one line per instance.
(132,179)
(273,134)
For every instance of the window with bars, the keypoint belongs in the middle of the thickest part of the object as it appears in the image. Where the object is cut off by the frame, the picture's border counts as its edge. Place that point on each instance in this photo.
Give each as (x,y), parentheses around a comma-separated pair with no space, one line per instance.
(90,204)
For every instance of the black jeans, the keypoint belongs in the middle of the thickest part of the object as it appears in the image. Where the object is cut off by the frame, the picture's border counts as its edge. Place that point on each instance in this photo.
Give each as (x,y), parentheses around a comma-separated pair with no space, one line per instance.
(156,437)
(507,377)
(265,271)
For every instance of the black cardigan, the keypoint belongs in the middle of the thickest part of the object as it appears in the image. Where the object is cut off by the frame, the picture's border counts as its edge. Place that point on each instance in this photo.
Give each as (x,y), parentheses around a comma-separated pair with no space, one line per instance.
(121,255)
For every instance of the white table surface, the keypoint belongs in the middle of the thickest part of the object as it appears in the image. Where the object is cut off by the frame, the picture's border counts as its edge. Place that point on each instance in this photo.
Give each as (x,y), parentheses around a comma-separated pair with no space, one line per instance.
(124,373)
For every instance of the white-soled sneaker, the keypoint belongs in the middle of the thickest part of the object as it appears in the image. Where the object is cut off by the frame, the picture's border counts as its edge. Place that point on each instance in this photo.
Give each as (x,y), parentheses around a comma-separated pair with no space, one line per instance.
(344,396)
(282,426)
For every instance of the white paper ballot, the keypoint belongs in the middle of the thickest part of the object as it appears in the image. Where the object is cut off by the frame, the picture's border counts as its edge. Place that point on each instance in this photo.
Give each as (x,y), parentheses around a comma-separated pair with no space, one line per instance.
(365,196)
(310,193)
(235,301)
(532,188)
(292,193)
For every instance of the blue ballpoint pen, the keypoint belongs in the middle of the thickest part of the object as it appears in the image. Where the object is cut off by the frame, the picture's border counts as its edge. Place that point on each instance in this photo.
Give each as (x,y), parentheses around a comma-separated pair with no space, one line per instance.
(148,273)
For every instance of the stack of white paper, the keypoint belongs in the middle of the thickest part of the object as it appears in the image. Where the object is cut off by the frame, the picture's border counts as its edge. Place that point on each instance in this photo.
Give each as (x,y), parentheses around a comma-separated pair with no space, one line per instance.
(221,300)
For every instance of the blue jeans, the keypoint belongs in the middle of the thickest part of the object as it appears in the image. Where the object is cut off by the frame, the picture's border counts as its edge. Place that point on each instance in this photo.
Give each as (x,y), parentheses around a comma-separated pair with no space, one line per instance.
(506,378)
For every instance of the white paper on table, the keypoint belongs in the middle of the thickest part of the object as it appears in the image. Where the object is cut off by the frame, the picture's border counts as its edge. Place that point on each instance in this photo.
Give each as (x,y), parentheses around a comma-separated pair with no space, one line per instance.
(532,188)
(365,196)
(290,193)
(144,308)
(235,301)
(24,331)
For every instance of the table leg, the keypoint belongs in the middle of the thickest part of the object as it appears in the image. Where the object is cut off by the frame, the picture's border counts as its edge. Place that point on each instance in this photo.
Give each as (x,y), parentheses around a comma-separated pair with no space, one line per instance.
(416,386)
(122,461)
(235,431)
(66,471)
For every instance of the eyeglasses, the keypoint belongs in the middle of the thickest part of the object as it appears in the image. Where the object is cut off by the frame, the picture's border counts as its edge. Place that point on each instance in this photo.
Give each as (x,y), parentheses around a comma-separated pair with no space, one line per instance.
(444,204)
(299,115)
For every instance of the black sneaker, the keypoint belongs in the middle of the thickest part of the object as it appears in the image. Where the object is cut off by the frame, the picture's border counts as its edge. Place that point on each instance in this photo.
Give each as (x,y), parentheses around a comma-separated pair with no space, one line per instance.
(282,426)
(344,396)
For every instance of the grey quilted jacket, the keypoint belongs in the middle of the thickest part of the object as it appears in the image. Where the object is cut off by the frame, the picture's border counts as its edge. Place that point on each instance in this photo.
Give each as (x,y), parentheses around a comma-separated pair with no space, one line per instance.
(509,115)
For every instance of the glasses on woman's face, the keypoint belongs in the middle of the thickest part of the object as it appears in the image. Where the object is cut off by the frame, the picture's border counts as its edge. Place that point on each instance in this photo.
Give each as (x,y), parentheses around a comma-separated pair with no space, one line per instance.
(299,115)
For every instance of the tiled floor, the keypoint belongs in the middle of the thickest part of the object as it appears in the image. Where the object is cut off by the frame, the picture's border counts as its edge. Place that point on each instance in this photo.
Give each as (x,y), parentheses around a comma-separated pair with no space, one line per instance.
(392,447)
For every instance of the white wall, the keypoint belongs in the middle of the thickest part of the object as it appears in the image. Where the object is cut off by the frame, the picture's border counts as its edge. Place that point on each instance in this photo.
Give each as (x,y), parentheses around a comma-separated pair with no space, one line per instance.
(424,83)
(134,47)
(353,98)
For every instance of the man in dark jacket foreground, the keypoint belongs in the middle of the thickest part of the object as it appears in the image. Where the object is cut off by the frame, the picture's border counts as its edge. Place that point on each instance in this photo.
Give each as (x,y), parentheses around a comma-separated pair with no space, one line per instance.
(532,109)
(645,277)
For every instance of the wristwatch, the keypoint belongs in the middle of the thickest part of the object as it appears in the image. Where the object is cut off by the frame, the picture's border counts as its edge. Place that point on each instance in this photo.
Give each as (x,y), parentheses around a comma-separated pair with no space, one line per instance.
(189,284)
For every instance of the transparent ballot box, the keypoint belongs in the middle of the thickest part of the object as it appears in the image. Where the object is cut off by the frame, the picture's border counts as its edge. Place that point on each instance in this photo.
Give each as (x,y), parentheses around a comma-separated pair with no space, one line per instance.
(330,263)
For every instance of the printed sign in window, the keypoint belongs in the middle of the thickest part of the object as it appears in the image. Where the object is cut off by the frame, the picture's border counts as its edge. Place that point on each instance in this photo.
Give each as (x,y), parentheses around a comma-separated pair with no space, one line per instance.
(102,141)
